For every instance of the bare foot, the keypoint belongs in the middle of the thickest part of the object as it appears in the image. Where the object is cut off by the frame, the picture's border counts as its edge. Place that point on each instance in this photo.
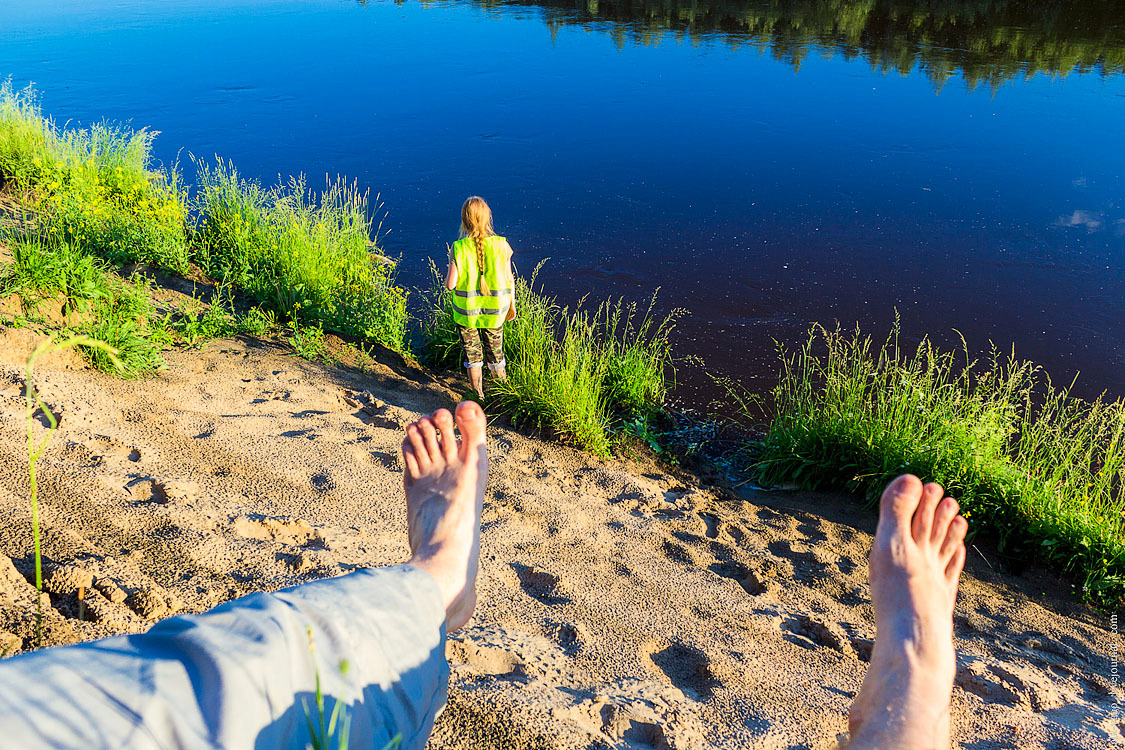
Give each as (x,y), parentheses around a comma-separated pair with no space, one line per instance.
(916,560)
(444,482)
(476,380)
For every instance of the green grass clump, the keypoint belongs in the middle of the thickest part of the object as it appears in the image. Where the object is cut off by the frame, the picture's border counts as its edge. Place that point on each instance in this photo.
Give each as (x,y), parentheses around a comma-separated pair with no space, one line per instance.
(1041,470)
(307,256)
(199,322)
(42,269)
(126,322)
(94,187)
(109,309)
(578,372)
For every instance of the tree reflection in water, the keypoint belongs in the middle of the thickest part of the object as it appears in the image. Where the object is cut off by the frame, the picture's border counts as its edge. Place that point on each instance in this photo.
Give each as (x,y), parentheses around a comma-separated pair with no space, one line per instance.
(986,42)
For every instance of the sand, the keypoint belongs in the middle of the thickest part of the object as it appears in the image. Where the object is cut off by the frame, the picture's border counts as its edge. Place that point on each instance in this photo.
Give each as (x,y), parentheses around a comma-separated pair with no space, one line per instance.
(623,603)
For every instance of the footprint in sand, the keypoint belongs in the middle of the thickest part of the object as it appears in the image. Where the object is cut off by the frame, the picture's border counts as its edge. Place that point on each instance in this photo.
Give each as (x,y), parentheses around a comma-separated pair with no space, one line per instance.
(162,492)
(807,568)
(266,396)
(322,482)
(678,552)
(751,581)
(812,632)
(811,529)
(635,728)
(570,637)
(308,434)
(387,460)
(685,667)
(1010,683)
(294,532)
(103,445)
(712,524)
(486,661)
(539,584)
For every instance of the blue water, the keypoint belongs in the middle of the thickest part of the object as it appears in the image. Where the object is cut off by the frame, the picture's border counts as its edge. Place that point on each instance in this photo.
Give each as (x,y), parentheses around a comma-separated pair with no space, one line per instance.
(759,195)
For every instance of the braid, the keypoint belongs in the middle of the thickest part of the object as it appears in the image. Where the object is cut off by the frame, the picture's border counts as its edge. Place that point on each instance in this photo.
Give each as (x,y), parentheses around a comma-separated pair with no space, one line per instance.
(476,222)
(481,265)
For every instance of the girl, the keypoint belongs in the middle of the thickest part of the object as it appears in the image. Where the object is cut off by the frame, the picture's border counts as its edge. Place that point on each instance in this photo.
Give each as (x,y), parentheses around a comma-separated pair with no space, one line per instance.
(480,277)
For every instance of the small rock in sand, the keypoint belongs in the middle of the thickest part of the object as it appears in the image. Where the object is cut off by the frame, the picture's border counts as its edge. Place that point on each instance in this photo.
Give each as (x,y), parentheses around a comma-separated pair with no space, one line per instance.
(13,585)
(67,579)
(110,591)
(152,604)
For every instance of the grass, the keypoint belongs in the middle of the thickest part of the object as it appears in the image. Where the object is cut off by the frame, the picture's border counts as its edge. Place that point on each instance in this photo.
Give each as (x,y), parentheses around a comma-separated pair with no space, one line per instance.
(43,269)
(95,187)
(1040,470)
(126,321)
(582,373)
(108,308)
(307,256)
(330,731)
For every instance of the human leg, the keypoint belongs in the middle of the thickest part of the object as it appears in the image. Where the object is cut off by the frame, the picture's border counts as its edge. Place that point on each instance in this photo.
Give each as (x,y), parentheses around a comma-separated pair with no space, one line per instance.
(242,674)
(916,560)
(493,339)
(474,358)
(444,483)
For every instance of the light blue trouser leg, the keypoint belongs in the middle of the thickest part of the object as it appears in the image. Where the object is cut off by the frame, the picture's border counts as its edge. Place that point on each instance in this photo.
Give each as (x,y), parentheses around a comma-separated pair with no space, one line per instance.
(238,675)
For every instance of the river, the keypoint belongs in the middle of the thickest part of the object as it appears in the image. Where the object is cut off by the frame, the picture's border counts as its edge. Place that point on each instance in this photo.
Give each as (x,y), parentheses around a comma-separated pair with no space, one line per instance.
(765,164)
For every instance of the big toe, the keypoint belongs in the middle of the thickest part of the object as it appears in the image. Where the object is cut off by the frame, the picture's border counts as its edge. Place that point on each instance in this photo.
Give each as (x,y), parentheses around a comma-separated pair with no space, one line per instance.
(471,422)
(900,500)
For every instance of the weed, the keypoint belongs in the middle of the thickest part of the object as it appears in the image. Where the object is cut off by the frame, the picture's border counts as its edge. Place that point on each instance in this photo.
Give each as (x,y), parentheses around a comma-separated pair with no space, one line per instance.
(307,341)
(1041,470)
(324,733)
(257,322)
(32,404)
(124,322)
(200,322)
(642,428)
(94,187)
(307,256)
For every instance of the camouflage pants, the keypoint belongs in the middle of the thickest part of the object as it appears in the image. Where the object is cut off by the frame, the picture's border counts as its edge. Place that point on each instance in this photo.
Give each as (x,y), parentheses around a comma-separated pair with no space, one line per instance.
(492,350)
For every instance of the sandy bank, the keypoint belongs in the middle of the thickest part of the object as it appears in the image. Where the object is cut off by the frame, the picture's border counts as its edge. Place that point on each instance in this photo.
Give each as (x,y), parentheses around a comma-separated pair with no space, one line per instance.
(622,604)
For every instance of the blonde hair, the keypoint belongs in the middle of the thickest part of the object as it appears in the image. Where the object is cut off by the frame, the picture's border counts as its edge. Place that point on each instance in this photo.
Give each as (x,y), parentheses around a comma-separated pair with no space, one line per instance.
(476,222)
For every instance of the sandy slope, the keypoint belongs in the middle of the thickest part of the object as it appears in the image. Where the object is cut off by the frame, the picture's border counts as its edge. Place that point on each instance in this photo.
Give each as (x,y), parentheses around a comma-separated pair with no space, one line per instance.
(621,606)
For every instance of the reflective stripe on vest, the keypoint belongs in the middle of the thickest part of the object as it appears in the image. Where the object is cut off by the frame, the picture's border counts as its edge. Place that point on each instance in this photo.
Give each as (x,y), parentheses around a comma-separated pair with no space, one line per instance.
(472,309)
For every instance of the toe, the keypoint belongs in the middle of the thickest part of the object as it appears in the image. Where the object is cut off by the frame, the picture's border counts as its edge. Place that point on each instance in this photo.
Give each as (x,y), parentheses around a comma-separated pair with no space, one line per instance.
(899,501)
(444,421)
(430,439)
(418,446)
(922,524)
(471,422)
(946,512)
(411,461)
(954,538)
(855,718)
(955,564)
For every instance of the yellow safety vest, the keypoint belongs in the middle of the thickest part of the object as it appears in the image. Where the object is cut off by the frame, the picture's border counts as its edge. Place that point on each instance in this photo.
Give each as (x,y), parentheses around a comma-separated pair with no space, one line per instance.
(471,308)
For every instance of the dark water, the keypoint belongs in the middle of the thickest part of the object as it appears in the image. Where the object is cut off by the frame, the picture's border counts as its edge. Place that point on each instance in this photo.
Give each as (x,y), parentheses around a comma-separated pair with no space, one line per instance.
(767,164)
